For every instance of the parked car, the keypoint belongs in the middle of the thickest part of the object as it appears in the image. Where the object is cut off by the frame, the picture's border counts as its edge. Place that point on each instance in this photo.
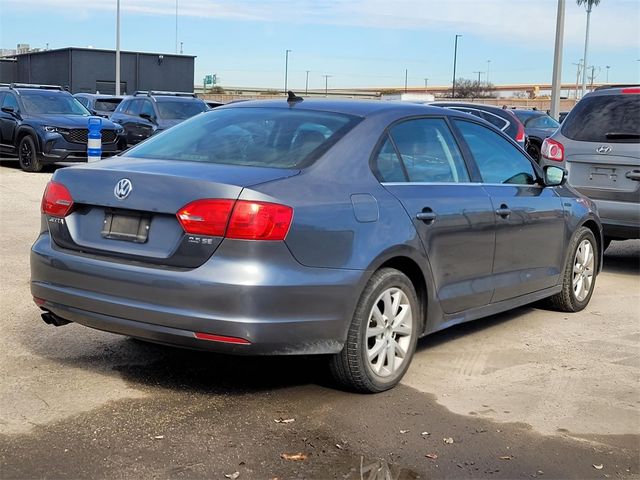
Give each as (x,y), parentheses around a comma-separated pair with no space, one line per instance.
(538,126)
(146,113)
(101,105)
(312,227)
(42,124)
(599,145)
(501,118)
(562,116)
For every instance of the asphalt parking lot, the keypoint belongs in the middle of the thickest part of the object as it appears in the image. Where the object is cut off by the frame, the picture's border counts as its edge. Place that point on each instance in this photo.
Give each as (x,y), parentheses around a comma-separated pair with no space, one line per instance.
(525,394)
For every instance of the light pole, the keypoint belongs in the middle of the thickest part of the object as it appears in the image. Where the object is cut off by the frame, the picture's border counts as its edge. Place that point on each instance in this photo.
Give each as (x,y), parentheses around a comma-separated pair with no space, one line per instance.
(176,26)
(118,47)
(589,6)
(326,84)
(426,84)
(286,69)
(306,84)
(488,67)
(455,59)
(608,67)
(406,73)
(556,81)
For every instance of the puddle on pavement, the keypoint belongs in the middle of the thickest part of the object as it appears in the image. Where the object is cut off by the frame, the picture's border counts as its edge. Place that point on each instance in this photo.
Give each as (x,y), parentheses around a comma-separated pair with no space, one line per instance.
(378,469)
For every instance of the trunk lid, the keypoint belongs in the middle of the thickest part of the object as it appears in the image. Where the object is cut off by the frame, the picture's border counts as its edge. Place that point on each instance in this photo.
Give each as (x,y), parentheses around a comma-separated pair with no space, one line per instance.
(143,226)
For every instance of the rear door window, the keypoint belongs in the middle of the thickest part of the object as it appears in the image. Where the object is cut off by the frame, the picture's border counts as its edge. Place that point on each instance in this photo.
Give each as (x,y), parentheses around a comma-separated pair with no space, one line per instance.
(428,151)
(605,119)
(134,107)
(497,159)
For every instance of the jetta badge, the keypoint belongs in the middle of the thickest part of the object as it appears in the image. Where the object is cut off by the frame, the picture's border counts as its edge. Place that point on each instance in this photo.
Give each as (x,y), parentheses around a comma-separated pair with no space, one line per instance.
(123,189)
(603,149)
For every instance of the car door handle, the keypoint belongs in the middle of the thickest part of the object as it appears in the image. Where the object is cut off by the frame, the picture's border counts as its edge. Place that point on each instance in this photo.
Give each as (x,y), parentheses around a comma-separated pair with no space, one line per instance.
(503,211)
(633,175)
(426,215)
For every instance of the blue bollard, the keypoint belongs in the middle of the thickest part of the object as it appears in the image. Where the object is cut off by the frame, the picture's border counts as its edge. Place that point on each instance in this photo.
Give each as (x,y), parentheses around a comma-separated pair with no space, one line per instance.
(94,139)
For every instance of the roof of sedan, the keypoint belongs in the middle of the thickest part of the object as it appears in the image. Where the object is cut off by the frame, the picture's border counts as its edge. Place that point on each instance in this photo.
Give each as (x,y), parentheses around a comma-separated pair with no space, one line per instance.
(350,107)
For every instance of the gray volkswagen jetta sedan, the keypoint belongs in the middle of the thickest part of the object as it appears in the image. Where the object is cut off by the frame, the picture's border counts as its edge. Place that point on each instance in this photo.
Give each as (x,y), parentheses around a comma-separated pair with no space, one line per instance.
(289,227)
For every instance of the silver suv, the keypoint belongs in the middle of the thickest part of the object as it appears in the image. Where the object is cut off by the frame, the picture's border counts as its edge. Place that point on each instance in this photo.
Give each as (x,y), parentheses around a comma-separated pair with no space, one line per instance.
(599,145)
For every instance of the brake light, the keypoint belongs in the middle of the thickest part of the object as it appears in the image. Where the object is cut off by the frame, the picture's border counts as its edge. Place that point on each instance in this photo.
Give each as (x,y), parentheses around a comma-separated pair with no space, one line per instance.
(259,221)
(57,200)
(552,150)
(631,90)
(206,217)
(520,134)
(242,219)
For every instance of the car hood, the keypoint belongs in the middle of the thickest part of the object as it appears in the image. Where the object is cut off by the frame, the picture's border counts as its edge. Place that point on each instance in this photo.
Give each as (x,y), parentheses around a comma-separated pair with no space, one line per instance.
(68,121)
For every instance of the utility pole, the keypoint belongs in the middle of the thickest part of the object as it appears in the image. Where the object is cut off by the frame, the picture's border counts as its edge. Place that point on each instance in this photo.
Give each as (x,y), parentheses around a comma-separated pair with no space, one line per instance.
(608,67)
(306,84)
(406,73)
(578,73)
(556,81)
(326,84)
(426,84)
(479,73)
(181,51)
(286,69)
(488,67)
(455,59)
(118,47)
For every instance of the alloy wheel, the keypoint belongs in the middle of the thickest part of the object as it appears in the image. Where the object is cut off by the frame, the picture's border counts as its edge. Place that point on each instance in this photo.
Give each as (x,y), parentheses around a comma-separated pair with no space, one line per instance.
(389,332)
(583,270)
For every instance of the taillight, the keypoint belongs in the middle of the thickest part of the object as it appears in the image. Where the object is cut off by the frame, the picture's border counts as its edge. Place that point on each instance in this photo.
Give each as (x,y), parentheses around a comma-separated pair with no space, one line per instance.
(57,200)
(206,217)
(552,150)
(259,221)
(631,90)
(520,133)
(242,219)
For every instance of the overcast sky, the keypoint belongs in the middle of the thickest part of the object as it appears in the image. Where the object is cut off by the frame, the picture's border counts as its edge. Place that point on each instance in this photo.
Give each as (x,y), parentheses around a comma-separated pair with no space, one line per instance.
(359,42)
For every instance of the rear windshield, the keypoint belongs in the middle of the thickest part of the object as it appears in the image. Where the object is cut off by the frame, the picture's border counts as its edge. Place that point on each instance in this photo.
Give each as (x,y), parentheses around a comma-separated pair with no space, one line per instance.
(180,109)
(52,103)
(605,118)
(107,104)
(265,137)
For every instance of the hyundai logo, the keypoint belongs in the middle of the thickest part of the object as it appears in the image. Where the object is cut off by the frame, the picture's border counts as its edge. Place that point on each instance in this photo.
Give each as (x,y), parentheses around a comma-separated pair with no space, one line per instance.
(603,149)
(123,189)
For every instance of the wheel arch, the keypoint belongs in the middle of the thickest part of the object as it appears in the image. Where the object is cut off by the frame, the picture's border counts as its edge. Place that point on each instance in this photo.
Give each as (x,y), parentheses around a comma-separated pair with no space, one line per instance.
(597,233)
(25,130)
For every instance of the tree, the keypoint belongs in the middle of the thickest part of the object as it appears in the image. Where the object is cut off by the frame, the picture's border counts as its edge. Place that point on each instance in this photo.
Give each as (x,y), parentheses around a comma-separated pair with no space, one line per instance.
(588,5)
(466,88)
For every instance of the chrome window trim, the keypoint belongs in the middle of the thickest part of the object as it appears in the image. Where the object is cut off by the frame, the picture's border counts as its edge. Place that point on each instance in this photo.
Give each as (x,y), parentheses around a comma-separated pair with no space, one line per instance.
(393,184)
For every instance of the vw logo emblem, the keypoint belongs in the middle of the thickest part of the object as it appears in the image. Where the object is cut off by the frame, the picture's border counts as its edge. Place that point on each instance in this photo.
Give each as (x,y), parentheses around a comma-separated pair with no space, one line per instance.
(123,189)
(603,149)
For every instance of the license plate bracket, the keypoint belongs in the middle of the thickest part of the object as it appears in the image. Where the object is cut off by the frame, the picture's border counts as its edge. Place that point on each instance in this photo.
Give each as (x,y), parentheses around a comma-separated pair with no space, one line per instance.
(126,225)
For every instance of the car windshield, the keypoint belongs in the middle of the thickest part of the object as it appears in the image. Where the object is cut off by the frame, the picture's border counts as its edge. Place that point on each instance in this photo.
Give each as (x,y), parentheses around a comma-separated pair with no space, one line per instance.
(605,118)
(179,109)
(542,121)
(107,104)
(266,137)
(52,103)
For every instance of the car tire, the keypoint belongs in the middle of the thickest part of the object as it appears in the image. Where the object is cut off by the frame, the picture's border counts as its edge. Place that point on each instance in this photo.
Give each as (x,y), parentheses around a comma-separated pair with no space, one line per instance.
(533,149)
(28,155)
(579,275)
(364,364)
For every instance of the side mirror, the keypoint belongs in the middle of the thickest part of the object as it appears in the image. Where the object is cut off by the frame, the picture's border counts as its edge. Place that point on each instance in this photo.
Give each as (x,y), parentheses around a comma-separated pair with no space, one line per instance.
(554,176)
(9,110)
(146,116)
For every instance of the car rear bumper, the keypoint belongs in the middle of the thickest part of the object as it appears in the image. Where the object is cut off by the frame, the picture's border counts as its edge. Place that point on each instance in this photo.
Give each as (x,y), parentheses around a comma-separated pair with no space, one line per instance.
(620,220)
(280,308)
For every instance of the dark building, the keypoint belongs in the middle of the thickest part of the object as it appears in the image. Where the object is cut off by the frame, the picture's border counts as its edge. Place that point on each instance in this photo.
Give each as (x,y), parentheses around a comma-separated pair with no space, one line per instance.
(90,70)
(8,70)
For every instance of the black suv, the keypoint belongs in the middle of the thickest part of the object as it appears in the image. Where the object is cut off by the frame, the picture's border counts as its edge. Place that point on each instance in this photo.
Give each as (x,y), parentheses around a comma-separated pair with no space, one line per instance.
(101,105)
(44,124)
(146,113)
